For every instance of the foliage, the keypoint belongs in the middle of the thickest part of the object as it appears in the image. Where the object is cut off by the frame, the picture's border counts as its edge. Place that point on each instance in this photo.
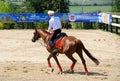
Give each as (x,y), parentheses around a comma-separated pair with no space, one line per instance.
(90,2)
(116,6)
(76,25)
(28,7)
(78,9)
(13,8)
(38,6)
(85,25)
(42,6)
(24,8)
(96,25)
(1,25)
(43,25)
(6,25)
(4,6)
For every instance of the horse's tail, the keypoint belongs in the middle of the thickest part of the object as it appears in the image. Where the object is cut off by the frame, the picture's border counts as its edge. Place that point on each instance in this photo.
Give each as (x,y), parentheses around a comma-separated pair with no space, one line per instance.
(89,55)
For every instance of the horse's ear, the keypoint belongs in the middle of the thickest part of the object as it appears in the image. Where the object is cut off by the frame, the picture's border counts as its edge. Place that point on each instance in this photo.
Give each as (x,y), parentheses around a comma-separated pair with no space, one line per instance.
(35,28)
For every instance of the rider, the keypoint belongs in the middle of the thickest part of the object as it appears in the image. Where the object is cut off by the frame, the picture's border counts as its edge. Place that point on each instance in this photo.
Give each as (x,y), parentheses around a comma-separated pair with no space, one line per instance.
(55,25)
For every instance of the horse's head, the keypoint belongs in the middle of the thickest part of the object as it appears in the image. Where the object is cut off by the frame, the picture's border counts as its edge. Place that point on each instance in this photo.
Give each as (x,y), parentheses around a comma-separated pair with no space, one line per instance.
(36,36)
(39,33)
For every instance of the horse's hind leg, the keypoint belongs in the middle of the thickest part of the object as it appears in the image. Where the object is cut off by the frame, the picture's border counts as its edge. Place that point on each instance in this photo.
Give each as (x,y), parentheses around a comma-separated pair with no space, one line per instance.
(83,60)
(73,60)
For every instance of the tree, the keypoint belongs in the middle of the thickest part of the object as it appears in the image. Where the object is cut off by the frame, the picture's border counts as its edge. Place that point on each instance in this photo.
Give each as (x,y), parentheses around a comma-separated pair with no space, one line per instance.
(23,8)
(1,6)
(4,6)
(64,6)
(42,6)
(116,6)
(28,7)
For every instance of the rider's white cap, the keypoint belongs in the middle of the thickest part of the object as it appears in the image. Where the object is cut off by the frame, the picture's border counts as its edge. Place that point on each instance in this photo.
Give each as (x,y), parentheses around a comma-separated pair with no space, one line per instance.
(50,12)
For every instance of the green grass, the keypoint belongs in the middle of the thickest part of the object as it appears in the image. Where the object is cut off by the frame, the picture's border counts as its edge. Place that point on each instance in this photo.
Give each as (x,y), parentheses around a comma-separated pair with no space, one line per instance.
(78,9)
(84,2)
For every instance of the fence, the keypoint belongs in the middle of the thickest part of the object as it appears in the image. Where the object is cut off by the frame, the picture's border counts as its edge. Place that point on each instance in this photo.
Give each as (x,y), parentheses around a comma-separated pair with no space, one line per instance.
(117,24)
(105,20)
(114,25)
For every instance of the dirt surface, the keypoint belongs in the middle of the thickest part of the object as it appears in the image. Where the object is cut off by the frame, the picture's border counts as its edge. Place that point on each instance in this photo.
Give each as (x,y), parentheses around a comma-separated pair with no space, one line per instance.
(22,60)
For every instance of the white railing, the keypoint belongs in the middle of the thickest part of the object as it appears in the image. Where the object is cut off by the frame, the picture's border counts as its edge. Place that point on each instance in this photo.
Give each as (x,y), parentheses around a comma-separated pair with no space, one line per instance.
(117,17)
(115,24)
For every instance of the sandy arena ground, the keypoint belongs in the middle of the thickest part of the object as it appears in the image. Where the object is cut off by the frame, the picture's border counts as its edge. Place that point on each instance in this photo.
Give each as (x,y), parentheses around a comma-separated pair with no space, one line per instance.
(22,60)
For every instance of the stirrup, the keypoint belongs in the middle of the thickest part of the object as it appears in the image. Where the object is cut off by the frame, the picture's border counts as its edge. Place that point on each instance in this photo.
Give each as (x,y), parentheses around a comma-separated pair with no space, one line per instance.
(54,51)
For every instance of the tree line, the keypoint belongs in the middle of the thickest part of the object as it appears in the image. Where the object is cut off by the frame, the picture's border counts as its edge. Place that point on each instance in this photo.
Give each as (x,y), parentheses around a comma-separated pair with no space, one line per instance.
(38,6)
(32,6)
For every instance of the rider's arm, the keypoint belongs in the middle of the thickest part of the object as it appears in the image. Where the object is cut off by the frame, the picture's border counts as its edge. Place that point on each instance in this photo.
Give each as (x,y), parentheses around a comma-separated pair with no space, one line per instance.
(50,26)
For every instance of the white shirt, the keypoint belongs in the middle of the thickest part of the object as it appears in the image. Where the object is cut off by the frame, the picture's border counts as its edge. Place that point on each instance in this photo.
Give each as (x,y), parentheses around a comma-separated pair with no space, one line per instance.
(54,23)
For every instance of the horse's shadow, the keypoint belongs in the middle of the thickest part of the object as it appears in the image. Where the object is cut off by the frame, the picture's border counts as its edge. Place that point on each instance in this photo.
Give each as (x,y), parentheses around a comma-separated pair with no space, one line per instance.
(83,73)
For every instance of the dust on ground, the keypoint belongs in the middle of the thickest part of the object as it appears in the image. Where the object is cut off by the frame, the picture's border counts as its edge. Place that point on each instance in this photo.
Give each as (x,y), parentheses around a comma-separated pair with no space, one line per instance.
(23,60)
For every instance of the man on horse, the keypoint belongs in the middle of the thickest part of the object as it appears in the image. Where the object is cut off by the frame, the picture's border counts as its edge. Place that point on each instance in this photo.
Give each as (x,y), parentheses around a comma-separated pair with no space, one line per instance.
(55,25)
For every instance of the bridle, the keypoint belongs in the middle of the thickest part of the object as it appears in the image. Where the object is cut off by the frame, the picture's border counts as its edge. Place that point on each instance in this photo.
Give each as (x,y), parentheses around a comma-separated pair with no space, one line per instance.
(45,37)
(43,40)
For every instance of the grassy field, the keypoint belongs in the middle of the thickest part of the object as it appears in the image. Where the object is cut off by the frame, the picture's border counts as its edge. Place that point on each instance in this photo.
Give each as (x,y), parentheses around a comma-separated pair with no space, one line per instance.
(78,9)
(85,2)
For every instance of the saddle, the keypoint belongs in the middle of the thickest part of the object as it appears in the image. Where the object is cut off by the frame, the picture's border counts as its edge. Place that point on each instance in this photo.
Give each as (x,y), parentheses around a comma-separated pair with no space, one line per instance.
(59,36)
(58,39)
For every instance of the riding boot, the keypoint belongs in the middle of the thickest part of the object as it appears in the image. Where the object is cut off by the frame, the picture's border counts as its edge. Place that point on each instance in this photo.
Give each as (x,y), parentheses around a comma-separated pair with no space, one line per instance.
(54,49)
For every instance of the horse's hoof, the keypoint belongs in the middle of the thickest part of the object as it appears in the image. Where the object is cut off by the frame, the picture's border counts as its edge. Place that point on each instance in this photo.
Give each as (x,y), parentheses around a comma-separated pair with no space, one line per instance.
(50,69)
(60,73)
(72,71)
(69,71)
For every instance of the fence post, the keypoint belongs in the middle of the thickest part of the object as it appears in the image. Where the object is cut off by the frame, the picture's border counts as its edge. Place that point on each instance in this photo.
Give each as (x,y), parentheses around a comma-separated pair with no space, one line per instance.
(103,26)
(106,27)
(111,27)
(116,26)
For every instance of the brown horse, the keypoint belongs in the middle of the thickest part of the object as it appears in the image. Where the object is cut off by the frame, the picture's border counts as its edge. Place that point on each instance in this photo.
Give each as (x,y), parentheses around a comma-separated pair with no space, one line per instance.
(68,46)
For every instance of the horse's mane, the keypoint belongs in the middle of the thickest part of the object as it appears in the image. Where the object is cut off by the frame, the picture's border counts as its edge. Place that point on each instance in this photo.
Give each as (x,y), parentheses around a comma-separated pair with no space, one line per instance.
(44,31)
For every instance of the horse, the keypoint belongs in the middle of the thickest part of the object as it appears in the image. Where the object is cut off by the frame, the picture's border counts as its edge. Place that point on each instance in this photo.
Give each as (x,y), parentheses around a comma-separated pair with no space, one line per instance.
(68,46)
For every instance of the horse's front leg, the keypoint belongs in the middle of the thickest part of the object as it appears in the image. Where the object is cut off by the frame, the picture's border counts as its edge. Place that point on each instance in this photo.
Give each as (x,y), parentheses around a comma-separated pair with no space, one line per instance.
(58,64)
(49,63)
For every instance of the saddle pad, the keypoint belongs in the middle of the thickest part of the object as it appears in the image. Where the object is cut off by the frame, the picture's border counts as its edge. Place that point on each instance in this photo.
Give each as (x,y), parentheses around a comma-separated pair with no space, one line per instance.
(59,36)
(58,43)
(58,40)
